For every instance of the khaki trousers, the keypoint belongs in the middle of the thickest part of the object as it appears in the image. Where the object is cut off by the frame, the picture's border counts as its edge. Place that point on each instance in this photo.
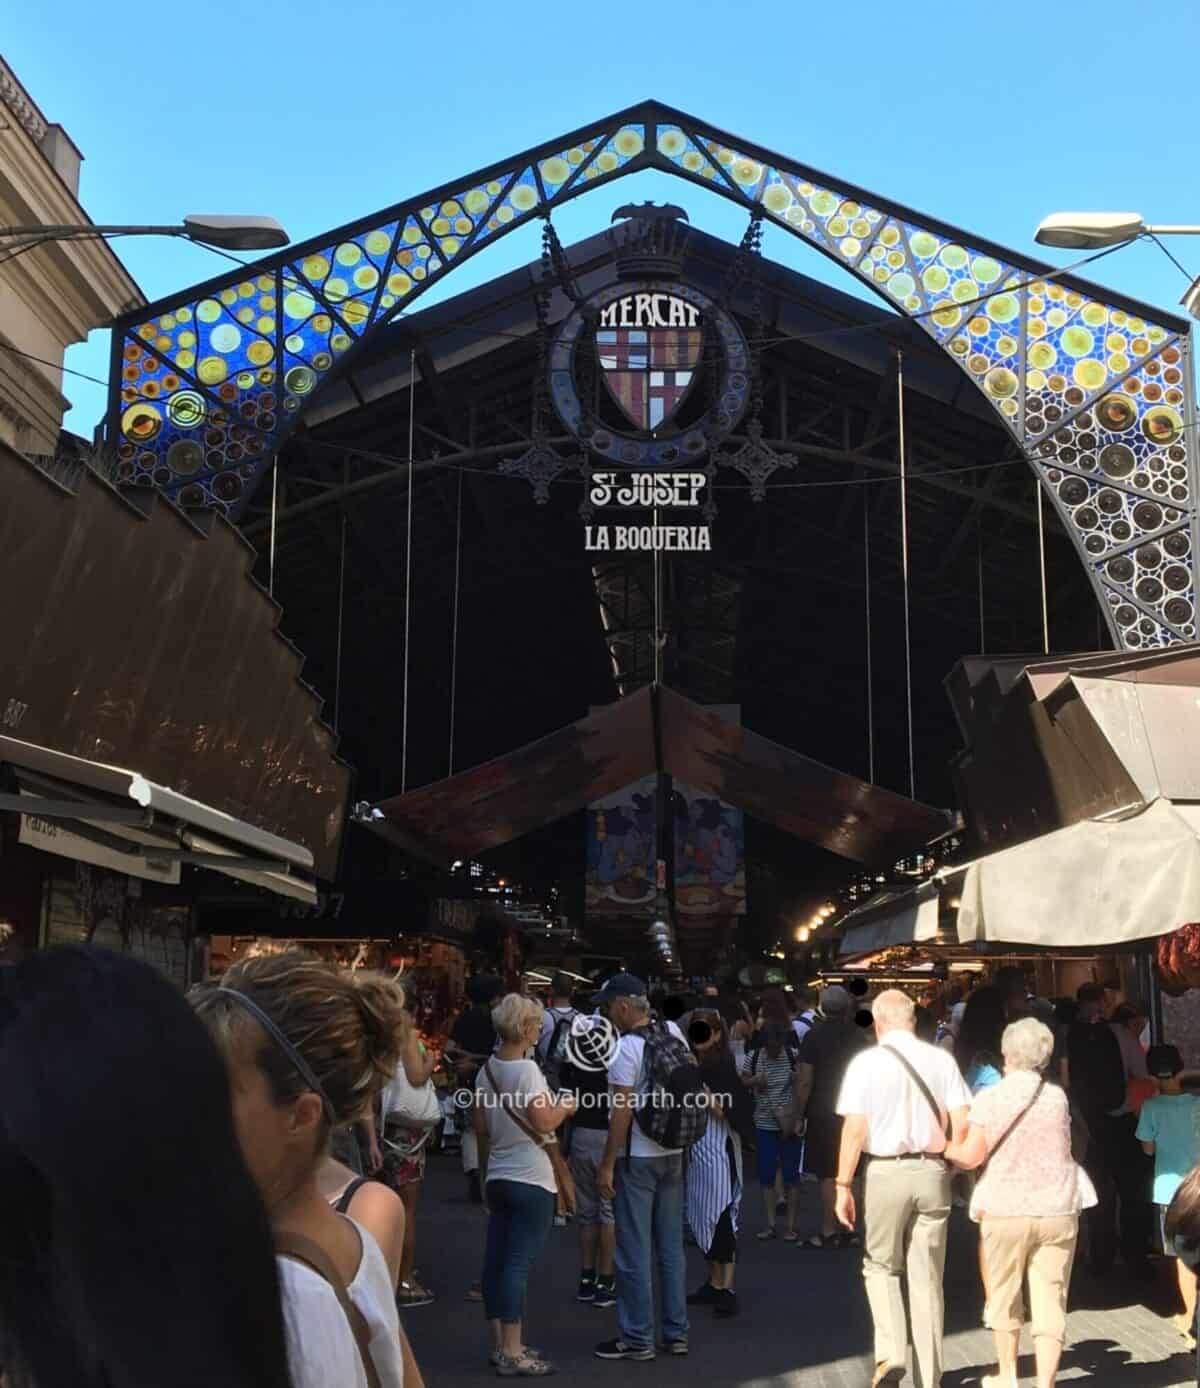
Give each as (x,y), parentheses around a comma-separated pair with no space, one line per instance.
(1042,1249)
(906,1206)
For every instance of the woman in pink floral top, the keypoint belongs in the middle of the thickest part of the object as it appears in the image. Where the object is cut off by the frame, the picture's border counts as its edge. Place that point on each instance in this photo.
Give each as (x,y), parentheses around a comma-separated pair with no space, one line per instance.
(1027,1200)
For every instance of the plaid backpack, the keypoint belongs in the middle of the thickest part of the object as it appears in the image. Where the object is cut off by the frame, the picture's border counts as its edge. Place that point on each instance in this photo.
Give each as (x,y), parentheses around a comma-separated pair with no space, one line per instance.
(671,1102)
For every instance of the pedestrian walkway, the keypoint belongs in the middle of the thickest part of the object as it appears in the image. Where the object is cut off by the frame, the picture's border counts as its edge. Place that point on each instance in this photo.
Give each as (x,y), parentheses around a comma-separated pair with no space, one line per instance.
(803,1324)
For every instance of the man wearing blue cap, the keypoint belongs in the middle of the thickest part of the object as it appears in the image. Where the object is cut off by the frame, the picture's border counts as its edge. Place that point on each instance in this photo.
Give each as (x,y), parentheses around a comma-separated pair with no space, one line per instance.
(645,1181)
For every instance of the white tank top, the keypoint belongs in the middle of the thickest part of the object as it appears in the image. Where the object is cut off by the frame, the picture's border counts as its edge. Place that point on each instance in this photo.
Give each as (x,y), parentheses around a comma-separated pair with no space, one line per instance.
(321,1346)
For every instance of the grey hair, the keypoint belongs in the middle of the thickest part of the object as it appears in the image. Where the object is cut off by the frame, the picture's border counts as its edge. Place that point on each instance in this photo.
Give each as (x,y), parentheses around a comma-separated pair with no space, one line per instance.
(640,1004)
(894,1009)
(1027,1044)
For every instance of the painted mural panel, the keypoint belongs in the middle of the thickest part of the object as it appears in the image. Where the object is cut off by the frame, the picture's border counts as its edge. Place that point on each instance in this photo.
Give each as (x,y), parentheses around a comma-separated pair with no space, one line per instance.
(710,854)
(622,850)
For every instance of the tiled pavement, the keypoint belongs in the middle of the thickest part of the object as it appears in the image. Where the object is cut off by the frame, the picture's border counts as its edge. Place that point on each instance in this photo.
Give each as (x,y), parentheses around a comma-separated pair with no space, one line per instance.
(803,1324)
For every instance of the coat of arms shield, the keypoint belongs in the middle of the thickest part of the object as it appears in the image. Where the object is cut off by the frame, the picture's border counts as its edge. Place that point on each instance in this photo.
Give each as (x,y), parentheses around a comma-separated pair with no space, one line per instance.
(649,350)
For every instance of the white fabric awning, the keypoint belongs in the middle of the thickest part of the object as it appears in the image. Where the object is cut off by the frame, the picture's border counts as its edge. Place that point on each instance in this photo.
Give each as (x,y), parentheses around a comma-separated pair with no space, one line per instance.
(1092,885)
(902,918)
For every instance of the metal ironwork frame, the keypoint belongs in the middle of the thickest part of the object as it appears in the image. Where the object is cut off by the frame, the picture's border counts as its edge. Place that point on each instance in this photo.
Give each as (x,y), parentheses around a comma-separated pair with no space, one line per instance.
(986,306)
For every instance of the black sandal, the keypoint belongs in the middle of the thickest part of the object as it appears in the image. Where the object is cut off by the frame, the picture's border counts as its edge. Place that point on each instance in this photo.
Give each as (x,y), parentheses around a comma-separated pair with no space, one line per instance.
(821,1241)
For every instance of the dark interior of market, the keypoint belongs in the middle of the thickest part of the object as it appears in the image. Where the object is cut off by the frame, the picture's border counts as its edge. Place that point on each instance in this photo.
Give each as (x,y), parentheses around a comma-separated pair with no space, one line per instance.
(514,630)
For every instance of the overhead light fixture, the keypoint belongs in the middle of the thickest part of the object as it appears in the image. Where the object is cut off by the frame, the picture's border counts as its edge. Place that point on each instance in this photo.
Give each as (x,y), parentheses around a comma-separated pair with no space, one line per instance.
(1085,231)
(235,233)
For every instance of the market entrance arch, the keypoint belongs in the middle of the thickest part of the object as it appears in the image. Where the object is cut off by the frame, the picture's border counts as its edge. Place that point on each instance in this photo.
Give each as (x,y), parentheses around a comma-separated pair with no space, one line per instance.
(1094,388)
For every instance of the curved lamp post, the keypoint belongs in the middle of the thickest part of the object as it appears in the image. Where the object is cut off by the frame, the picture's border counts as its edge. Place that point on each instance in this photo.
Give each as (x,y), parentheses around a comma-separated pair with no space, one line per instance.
(223,232)
(1086,231)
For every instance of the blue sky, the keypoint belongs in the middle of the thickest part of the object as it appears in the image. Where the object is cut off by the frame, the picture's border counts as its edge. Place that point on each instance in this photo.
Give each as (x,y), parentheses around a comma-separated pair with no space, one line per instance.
(987,116)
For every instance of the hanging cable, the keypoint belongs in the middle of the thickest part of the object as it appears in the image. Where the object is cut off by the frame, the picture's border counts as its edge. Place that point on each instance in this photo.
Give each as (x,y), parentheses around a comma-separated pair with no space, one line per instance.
(1042,566)
(412,392)
(274,516)
(870,665)
(337,679)
(660,636)
(979,564)
(454,623)
(912,774)
(1166,250)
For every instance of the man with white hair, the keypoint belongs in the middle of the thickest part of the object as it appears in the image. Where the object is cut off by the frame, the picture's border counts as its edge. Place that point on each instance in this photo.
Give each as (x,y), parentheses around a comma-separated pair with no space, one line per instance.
(901,1101)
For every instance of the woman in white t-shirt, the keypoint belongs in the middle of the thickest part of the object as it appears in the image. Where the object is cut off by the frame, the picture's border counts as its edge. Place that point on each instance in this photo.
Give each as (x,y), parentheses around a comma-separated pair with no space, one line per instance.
(511,1097)
(308,1046)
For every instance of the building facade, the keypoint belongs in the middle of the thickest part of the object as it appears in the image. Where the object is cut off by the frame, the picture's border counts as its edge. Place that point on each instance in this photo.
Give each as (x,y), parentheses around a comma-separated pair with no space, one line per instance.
(51,294)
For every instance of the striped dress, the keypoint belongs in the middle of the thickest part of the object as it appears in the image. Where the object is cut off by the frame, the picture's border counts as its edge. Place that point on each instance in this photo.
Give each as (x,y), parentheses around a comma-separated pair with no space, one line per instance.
(714,1179)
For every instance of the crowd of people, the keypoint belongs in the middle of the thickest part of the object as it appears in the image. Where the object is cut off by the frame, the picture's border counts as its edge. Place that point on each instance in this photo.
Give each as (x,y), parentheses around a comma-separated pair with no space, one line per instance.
(1058,1112)
(287,1215)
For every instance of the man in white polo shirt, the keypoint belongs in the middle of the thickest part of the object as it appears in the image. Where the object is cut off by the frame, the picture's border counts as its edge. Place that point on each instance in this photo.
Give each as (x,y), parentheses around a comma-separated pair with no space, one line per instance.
(900,1101)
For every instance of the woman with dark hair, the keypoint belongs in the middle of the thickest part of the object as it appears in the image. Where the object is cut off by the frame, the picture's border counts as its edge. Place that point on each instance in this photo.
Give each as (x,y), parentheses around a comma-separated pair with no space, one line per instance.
(137,1251)
(774,1011)
(978,1047)
(714,1167)
(769,1071)
(1181,1230)
(308,1047)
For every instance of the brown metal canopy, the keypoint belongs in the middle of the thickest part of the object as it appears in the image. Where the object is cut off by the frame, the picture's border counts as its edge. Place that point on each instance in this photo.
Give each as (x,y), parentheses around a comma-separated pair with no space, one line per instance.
(134,636)
(1052,741)
(655,730)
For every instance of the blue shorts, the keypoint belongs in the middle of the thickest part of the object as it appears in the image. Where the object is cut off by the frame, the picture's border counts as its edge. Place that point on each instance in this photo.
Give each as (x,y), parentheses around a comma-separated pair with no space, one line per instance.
(775,1150)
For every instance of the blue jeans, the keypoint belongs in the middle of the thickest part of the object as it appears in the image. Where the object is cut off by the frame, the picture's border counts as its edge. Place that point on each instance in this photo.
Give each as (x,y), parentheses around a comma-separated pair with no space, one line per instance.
(649,1214)
(520,1219)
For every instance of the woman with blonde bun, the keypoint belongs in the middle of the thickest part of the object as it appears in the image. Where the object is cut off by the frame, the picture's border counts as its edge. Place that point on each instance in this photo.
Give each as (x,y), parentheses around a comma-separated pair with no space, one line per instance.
(308,1046)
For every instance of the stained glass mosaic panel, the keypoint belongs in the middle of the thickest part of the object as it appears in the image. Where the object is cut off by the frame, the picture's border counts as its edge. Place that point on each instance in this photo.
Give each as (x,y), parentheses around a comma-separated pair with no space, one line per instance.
(206,386)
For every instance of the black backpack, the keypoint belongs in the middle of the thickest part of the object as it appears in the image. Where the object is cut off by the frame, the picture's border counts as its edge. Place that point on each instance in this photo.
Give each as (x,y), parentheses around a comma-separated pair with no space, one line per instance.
(1096,1069)
(555,1056)
(670,1093)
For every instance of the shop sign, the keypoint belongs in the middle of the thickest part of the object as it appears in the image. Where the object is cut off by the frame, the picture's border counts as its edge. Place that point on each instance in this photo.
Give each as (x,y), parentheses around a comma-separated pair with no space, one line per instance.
(53,837)
(657,344)
(647,489)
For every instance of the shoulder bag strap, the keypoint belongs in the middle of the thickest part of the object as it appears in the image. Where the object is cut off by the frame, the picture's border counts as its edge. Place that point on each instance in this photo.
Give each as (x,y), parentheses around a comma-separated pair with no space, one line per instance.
(305,1250)
(943,1124)
(548,1144)
(510,1111)
(1016,1123)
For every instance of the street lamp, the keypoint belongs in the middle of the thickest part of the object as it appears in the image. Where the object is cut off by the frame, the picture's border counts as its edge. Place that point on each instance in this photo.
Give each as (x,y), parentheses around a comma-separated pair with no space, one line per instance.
(225,233)
(1086,231)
